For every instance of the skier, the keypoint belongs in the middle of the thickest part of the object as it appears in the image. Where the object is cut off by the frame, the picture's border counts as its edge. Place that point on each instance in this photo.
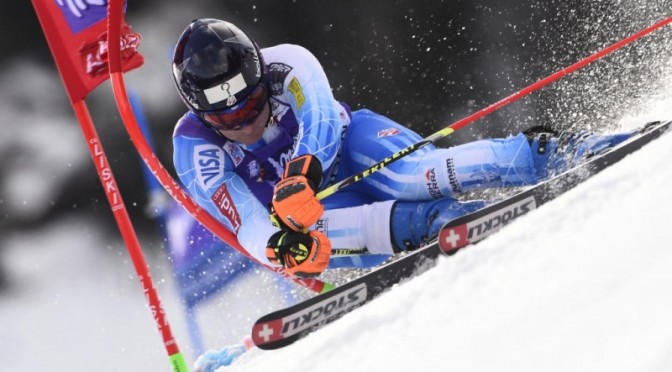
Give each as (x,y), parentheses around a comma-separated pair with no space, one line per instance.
(264,133)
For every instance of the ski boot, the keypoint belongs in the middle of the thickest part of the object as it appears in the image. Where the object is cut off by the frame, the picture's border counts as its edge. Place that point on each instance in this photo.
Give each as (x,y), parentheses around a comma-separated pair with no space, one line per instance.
(554,153)
(414,224)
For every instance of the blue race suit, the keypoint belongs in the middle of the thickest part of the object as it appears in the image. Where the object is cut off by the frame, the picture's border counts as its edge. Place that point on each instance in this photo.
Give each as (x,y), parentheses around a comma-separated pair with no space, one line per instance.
(234,182)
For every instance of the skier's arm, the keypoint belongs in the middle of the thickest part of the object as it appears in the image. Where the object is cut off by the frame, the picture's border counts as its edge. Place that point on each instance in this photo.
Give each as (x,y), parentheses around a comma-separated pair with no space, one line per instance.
(320,116)
(295,208)
(321,120)
(207,173)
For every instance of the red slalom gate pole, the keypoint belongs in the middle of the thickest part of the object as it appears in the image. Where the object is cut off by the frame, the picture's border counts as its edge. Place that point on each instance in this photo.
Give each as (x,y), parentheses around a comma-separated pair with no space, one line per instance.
(78,50)
(152,161)
(128,234)
(448,130)
(564,72)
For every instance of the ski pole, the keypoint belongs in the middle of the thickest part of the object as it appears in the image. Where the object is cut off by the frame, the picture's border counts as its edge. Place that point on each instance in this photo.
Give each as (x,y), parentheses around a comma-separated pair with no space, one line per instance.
(488,110)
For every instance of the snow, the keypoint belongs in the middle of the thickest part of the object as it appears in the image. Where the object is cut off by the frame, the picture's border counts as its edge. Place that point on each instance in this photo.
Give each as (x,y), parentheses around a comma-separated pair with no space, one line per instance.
(581,284)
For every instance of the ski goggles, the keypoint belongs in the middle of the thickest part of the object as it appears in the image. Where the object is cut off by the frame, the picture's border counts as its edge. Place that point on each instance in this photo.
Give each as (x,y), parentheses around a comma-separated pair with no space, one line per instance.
(243,115)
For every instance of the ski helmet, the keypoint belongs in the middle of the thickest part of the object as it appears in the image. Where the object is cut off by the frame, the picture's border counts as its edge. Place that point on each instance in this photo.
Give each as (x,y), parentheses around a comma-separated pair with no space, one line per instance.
(218,71)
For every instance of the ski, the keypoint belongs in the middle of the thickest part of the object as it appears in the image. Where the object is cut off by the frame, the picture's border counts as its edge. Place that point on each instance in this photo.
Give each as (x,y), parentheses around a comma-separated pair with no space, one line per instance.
(285,326)
(478,225)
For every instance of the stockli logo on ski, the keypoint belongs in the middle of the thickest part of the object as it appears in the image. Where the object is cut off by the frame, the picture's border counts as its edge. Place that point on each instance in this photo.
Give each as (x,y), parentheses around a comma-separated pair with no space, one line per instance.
(460,233)
(287,329)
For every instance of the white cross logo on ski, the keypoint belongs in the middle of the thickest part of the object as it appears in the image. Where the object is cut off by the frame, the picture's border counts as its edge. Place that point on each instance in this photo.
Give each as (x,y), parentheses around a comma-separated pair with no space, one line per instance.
(266,332)
(452,238)
(457,234)
(286,329)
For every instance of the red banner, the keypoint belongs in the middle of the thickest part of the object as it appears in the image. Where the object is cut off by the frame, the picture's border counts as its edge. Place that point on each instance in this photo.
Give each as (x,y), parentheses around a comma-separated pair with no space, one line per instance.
(76,31)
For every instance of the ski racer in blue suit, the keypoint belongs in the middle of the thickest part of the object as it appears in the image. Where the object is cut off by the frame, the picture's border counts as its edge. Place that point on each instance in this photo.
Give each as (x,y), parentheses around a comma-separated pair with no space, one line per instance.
(264,133)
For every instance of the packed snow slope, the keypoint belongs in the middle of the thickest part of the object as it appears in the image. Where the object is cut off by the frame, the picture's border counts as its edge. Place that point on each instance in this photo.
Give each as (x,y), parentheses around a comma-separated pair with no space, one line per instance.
(582,284)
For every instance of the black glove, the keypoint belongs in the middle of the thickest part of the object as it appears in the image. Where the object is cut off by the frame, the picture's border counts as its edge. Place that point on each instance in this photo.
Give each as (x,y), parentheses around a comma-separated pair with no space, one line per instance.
(302,254)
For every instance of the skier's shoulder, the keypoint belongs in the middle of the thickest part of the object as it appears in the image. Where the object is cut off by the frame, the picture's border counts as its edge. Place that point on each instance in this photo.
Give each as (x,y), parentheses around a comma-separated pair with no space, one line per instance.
(290,55)
(191,126)
(290,64)
(199,153)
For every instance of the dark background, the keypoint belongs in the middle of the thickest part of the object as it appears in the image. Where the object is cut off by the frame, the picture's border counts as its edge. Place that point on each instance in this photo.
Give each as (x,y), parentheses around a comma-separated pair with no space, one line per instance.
(423,63)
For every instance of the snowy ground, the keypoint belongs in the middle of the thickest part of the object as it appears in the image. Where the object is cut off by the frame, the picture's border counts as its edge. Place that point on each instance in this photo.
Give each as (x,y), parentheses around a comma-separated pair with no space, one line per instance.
(580,285)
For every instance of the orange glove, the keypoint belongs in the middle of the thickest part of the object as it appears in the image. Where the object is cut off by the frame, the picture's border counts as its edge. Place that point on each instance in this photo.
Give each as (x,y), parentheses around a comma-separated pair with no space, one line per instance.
(294,201)
(302,254)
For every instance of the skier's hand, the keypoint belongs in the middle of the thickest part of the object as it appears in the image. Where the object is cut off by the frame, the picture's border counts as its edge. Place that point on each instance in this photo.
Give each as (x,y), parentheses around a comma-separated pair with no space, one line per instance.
(302,254)
(294,201)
